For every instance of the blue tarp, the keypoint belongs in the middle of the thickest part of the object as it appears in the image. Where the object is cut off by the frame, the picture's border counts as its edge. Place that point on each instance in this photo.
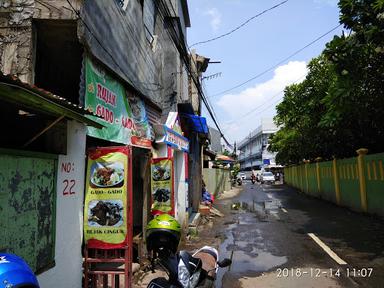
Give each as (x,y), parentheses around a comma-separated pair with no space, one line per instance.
(198,123)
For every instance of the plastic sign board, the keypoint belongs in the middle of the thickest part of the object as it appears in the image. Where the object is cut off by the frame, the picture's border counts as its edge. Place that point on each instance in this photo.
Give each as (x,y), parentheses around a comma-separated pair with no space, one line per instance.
(124,118)
(266,161)
(105,209)
(175,140)
(162,197)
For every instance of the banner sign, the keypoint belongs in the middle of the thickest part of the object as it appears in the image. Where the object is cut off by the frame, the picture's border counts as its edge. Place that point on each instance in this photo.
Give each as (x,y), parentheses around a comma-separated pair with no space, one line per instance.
(105,209)
(143,133)
(162,186)
(106,98)
(175,140)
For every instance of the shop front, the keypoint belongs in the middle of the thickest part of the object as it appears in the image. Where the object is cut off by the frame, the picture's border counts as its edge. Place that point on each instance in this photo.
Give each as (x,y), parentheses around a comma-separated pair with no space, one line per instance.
(117,189)
(169,170)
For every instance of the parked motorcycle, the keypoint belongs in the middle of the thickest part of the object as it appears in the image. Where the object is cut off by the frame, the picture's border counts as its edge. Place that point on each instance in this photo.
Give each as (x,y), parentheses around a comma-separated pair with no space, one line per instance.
(239,181)
(184,270)
(15,272)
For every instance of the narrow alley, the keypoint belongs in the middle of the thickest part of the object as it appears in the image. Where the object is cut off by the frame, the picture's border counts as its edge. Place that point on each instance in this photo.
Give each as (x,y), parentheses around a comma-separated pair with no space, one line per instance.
(278,237)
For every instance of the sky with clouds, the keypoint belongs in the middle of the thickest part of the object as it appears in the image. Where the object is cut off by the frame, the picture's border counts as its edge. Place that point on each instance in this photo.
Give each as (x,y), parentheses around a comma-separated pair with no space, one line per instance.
(267,53)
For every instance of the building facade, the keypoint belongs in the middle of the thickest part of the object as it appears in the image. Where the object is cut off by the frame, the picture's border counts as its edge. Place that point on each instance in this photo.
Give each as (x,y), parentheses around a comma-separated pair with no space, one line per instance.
(254,154)
(63,55)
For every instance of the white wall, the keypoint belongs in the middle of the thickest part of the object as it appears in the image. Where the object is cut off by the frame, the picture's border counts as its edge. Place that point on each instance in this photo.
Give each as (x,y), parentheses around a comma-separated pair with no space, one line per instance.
(181,187)
(69,213)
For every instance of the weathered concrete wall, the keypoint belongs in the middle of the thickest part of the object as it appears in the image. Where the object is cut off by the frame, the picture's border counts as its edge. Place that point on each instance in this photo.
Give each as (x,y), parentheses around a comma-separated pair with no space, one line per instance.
(69,213)
(151,68)
(181,188)
(16,38)
(217,180)
(16,32)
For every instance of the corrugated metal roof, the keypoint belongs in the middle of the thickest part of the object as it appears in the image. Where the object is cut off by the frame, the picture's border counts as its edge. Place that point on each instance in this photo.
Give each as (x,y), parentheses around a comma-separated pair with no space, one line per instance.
(13,90)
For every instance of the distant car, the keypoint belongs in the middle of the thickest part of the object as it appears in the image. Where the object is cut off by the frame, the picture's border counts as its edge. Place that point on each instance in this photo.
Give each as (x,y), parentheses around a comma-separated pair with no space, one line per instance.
(242,176)
(267,177)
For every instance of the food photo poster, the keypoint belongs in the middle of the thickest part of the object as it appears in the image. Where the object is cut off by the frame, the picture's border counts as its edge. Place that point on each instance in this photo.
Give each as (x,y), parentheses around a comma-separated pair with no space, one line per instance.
(162,186)
(105,223)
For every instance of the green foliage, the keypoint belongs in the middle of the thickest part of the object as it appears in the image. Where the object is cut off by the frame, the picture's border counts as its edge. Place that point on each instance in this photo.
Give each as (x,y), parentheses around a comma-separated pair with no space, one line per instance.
(235,170)
(338,107)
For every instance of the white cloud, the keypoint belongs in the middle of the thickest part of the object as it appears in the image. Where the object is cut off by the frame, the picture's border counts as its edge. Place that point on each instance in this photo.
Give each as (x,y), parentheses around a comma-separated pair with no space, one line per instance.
(259,100)
(215,18)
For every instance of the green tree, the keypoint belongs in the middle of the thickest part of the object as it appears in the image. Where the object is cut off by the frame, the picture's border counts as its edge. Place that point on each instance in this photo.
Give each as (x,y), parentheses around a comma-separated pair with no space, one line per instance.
(338,107)
(355,103)
(299,115)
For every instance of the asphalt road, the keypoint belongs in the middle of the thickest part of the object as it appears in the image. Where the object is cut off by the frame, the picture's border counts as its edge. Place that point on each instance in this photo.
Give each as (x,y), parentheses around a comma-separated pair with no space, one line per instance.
(278,237)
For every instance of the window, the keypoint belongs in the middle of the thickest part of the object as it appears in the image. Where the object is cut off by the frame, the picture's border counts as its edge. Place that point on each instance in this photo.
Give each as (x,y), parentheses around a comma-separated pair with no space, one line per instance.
(149,11)
(58,59)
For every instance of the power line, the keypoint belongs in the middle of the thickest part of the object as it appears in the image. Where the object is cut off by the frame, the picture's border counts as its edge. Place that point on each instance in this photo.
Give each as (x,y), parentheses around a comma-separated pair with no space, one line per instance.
(184,53)
(276,65)
(109,53)
(204,99)
(240,26)
(179,46)
(267,107)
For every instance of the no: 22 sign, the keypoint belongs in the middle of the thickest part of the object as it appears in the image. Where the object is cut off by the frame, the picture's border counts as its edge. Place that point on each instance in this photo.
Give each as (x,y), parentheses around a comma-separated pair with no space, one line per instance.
(68,184)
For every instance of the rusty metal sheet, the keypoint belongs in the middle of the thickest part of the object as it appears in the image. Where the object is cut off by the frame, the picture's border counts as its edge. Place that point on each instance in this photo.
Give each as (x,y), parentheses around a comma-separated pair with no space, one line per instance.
(27,208)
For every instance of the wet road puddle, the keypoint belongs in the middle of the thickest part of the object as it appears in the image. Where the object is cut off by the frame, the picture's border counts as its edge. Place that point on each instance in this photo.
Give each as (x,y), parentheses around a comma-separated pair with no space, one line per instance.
(245,243)
(264,261)
(262,209)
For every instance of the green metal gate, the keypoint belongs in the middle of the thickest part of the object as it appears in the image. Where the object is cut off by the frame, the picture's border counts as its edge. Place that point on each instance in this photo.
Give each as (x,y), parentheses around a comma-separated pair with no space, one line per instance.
(28,206)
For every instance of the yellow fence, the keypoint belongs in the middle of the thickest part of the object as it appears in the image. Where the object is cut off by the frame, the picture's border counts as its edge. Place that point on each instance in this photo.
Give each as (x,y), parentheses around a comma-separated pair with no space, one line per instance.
(357,183)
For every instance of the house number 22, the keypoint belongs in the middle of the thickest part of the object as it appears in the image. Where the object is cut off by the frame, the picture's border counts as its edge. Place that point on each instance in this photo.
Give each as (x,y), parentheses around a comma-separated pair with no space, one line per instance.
(68,184)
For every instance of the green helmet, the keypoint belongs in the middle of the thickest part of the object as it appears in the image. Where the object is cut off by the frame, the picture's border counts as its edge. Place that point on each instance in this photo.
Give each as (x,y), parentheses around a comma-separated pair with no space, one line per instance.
(163,232)
(164,221)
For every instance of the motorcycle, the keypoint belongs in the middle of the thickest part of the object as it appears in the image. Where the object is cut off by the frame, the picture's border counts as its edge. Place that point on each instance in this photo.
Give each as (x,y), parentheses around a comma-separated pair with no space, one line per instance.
(253,179)
(15,272)
(184,270)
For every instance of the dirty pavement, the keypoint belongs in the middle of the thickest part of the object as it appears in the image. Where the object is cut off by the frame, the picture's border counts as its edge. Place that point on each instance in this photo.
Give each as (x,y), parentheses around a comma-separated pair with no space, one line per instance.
(268,231)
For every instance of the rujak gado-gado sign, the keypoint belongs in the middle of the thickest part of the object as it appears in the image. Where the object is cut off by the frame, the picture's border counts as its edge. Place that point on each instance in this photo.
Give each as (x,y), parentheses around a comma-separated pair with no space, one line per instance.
(162,186)
(106,98)
(105,214)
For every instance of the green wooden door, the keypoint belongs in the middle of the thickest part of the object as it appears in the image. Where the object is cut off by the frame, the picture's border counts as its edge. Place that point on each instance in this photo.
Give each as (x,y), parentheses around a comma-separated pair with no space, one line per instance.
(27,208)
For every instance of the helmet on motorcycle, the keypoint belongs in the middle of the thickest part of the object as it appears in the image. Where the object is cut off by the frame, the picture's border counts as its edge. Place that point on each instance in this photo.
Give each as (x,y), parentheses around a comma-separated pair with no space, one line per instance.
(15,272)
(163,234)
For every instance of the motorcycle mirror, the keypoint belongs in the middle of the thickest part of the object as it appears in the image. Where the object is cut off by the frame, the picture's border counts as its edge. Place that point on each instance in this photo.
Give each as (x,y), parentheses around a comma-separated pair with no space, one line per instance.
(224,263)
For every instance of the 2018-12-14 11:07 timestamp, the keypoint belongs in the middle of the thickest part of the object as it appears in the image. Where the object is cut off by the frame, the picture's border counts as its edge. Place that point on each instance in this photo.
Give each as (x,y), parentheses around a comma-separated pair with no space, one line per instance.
(318,272)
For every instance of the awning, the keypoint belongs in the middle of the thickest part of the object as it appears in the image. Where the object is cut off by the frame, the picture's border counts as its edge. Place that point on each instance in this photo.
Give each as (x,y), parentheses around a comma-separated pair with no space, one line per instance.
(196,123)
(14,91)
(225,158)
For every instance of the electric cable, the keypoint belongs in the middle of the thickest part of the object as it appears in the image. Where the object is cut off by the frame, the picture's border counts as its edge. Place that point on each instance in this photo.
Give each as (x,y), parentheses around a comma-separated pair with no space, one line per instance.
(106,50)
(266,108)
(177,42)
(276,65)
(240,26)
(182,50)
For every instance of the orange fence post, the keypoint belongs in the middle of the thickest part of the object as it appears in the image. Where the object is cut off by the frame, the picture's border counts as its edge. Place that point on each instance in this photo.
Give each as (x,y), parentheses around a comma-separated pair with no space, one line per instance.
(336,181)
(363,188)
(318,159)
